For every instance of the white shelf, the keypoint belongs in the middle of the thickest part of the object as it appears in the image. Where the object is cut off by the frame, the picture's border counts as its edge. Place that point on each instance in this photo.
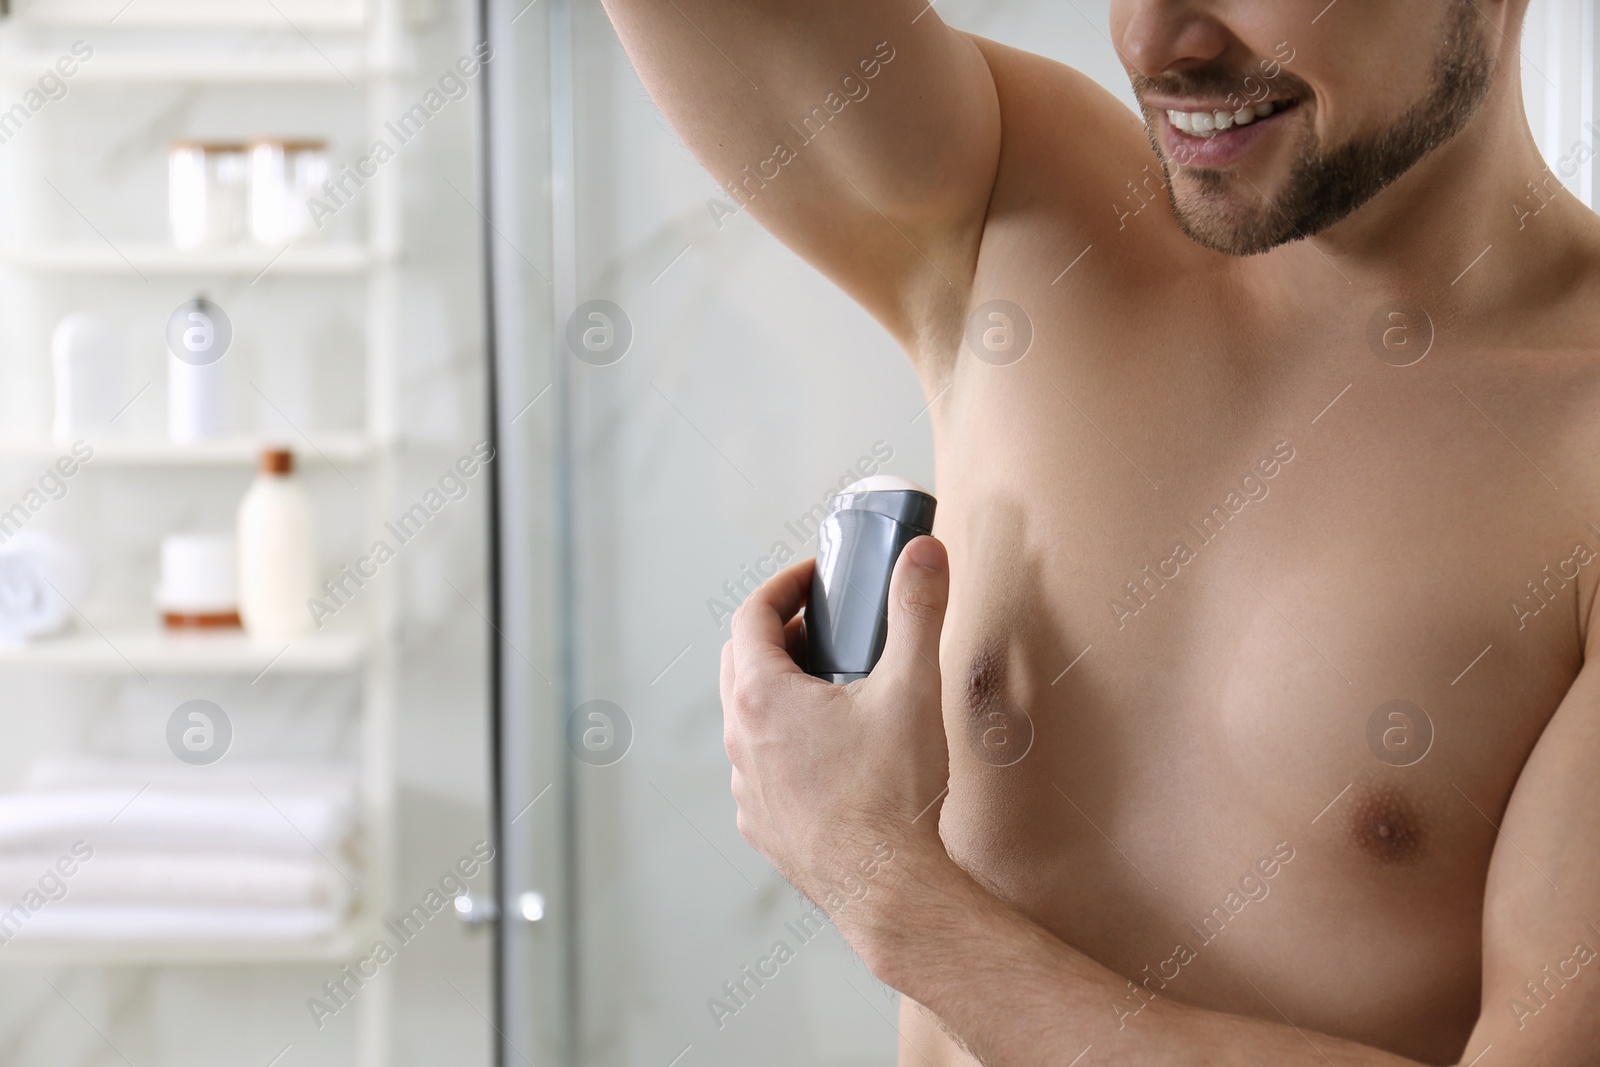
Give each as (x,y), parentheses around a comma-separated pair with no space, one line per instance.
(194,14)
(299,66)
(127,651)
(23,952)
(336,447)
(83,257)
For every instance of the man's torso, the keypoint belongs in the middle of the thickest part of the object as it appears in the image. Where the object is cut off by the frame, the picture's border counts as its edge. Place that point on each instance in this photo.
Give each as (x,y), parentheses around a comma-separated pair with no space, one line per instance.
(1203,534)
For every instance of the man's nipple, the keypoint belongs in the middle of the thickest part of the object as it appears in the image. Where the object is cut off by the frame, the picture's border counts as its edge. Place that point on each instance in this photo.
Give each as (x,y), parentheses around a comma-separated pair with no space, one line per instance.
(1387,825)
(986,680)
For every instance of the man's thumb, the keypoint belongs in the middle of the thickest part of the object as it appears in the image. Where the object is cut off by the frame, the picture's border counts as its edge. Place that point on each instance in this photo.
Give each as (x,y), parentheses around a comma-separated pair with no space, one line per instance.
(918,593)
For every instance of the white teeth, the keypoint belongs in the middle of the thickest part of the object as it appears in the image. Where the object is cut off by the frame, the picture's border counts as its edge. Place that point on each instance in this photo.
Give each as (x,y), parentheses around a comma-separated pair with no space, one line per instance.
(1202,122)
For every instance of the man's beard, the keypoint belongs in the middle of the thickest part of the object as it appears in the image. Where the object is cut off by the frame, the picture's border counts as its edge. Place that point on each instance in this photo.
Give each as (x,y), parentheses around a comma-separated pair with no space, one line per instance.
(1324,186)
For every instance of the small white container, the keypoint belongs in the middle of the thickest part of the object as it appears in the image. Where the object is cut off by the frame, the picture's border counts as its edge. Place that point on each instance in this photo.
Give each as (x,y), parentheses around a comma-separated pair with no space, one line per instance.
(197,400)
(198,587)
(284,176)
(277,565)
(207,193)
(90,361)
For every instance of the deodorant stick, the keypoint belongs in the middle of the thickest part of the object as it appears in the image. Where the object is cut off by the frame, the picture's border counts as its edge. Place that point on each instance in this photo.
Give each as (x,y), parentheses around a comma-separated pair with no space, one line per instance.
(858,541)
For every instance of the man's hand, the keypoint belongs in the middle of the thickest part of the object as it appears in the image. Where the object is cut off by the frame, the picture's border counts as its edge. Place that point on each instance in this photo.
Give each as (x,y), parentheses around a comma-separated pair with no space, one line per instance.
(825,775)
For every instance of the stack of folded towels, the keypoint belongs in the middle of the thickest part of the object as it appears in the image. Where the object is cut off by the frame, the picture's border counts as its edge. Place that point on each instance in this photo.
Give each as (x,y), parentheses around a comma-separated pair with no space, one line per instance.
(161,851)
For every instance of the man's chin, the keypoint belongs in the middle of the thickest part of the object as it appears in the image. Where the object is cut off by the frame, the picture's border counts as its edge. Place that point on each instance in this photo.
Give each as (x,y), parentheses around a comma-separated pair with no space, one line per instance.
(1223,222)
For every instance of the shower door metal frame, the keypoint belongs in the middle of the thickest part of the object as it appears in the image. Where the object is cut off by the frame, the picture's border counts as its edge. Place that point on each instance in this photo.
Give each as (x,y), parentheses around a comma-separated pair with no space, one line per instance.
(530,264)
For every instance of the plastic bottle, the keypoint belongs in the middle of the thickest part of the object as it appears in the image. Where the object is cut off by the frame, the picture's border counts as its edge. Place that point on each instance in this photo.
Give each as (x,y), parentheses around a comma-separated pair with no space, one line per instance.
(91,360)
(277,567)
(197,401)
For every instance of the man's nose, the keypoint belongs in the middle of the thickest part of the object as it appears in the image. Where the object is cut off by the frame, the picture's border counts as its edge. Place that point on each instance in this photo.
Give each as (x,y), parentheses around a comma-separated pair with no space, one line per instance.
(1156,36)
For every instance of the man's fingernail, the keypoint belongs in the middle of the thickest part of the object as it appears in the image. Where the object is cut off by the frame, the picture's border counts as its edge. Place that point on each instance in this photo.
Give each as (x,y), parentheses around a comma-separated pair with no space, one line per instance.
(926,553)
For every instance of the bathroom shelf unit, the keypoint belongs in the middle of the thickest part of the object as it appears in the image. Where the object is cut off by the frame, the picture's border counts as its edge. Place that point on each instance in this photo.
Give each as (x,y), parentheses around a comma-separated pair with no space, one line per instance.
(335,447)
(206,51)
(152,651)
(309,259)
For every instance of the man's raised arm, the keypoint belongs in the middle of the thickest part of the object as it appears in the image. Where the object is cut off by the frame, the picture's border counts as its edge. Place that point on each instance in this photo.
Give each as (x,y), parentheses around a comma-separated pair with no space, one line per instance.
(865,135)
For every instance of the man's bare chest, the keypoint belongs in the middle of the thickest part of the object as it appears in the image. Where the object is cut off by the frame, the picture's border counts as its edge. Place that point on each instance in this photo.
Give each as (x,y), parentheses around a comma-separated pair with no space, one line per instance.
(1383,531)
(1183,632)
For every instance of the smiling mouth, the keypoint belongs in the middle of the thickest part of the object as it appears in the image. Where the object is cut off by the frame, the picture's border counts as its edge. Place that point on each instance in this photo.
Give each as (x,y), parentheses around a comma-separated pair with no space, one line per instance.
(1210,123)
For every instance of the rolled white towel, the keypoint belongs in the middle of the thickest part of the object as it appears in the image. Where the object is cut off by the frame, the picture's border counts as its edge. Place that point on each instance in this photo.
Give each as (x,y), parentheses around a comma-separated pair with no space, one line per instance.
(40,577)
(119,876)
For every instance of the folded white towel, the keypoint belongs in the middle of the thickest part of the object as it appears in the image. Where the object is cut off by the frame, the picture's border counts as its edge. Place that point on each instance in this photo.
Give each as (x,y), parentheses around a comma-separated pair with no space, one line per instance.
(66,922)
(139,877)
(73,770)
(244,820)
(246,851)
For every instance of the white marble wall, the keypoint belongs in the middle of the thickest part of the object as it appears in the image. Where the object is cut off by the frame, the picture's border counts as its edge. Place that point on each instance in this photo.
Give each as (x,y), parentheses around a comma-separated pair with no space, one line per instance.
(752,386)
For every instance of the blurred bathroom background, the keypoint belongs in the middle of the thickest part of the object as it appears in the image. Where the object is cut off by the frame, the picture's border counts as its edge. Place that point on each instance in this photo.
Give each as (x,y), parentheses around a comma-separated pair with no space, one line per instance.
(282,281)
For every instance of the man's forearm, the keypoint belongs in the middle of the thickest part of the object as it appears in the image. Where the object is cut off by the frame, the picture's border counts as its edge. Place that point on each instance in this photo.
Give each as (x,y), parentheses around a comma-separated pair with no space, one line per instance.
(1018,996)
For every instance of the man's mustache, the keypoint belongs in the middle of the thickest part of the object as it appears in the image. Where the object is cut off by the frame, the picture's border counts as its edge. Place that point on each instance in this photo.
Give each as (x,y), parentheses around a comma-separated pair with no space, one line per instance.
(1247,83)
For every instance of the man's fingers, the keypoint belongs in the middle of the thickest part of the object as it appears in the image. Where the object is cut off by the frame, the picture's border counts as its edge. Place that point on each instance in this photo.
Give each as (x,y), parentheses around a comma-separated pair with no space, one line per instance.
(794,640)
(759,641)
(918,594)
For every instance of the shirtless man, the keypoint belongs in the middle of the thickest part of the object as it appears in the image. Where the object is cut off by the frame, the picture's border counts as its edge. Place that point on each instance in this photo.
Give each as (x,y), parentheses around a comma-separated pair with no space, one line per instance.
(1269,501)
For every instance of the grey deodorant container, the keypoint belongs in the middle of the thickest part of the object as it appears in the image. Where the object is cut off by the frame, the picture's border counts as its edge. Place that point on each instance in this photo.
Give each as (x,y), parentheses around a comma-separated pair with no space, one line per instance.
(858,541)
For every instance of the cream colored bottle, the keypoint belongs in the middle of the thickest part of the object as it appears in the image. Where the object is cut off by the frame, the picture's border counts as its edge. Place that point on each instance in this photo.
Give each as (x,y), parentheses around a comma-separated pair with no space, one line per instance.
(277,568)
